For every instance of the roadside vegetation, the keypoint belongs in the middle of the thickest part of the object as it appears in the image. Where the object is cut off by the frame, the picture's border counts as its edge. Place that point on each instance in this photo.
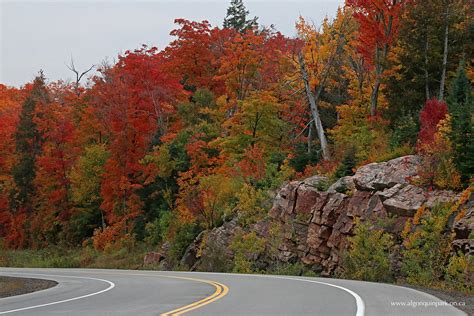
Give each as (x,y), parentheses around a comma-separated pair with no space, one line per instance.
(424,258)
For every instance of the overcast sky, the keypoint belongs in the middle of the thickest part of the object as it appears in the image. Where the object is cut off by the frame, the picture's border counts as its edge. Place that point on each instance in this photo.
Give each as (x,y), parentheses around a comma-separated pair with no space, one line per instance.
(44,35)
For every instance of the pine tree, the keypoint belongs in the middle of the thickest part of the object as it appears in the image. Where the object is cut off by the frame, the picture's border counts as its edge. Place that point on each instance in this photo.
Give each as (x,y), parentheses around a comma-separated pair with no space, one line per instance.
(237,17)
(28,145)
(348,164)
(461,109)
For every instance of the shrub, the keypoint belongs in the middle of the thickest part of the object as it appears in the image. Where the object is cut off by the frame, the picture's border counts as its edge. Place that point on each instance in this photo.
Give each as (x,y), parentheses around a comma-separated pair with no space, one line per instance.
(432,113)
(250,205)
(460,273)
(214,258)
(368,257)
(426,246)
(185,235)
(247,248)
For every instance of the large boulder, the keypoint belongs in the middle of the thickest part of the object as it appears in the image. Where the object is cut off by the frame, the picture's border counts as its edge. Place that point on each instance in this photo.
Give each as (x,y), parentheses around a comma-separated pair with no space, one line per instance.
(405,201)
(382,175)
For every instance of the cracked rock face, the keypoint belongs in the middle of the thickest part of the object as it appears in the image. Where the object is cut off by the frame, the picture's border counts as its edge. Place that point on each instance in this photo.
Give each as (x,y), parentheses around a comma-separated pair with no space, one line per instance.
(376,191)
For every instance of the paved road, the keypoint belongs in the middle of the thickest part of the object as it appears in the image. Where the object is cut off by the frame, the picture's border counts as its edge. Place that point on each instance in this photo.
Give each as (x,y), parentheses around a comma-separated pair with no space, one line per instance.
(124,292)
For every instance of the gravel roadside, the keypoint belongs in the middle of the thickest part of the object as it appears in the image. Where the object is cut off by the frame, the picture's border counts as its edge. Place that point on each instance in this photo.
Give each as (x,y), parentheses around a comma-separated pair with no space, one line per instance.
(10,286)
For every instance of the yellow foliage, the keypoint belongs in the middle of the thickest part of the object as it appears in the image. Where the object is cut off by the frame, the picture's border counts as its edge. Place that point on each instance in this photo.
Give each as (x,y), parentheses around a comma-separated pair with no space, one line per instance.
(354,129)
(438,167)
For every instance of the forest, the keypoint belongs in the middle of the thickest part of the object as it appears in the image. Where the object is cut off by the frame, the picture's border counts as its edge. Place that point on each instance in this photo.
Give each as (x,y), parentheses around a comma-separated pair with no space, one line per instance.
(165,143)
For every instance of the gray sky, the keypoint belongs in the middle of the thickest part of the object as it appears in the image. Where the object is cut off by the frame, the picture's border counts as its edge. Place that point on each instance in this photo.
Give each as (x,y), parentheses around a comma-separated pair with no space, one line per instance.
(39,34)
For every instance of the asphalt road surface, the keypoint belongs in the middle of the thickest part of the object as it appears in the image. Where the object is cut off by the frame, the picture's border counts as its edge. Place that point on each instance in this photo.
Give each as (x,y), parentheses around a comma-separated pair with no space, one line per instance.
(124,292)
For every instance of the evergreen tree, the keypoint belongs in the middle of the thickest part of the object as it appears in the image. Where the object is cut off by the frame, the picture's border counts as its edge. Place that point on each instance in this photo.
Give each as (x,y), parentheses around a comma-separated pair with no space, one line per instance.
(348,164)
(28,145)
(237,17)
(461,109)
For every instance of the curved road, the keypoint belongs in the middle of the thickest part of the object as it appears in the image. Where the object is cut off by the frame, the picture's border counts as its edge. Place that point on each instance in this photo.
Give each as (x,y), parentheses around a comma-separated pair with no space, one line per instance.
(124,292)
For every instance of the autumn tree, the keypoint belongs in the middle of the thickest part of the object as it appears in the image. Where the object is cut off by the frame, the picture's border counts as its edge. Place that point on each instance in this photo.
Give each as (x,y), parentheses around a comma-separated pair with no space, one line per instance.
(236,17)
(378,27)
(134,101)
(53,165)
(316,61)
(195,53)
(11,223)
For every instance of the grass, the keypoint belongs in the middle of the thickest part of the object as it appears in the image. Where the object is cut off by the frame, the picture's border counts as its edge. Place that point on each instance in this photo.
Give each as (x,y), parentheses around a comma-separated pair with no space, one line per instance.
(74,258)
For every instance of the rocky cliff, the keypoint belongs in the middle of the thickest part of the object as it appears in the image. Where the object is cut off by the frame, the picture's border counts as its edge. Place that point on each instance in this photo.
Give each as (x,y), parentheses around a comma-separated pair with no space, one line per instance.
(315,223)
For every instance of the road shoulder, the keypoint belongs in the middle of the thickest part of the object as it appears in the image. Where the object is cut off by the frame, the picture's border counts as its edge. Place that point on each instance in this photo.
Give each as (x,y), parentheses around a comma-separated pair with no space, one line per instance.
(10,286)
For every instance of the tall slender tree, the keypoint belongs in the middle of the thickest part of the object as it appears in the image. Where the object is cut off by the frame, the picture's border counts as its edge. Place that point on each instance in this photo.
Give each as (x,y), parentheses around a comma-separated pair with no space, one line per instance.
(462,111)
(236,17)
(28,146)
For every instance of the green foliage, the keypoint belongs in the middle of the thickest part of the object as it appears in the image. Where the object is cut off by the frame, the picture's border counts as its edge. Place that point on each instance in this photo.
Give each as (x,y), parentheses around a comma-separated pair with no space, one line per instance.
(348,164)
(426,249)
(368,257)
(28,146)
(461,109)
(184,236)
(86,178)
(404,132)
(247,248)
(417,58)
(258,121)
(303,158)
(155,231)
(236,17)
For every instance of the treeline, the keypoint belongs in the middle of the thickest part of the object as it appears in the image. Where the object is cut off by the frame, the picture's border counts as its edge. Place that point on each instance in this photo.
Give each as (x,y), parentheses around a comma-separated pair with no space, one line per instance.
(165,143)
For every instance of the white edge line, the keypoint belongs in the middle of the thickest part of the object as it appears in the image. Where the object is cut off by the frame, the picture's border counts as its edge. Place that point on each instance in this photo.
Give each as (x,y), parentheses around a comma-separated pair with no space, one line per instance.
(111,286)
(359,302)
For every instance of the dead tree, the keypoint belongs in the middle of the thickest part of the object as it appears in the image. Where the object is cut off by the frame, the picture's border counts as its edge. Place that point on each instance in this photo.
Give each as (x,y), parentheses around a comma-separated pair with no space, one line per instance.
(79,75)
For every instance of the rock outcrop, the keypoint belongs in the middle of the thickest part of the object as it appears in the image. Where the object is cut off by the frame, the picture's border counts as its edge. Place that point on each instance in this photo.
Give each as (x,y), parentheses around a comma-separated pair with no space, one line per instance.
(153,258)
(315,224)
(464,229)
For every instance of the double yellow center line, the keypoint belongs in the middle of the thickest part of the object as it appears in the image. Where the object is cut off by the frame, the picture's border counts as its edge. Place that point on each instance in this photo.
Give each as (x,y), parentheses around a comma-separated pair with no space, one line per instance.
(221,291)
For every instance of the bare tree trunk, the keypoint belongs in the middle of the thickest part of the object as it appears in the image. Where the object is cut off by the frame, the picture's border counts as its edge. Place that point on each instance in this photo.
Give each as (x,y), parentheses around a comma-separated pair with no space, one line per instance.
(427,86)
(374,98)
(375,93)
(310,136)
(445,57)
(314,109)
